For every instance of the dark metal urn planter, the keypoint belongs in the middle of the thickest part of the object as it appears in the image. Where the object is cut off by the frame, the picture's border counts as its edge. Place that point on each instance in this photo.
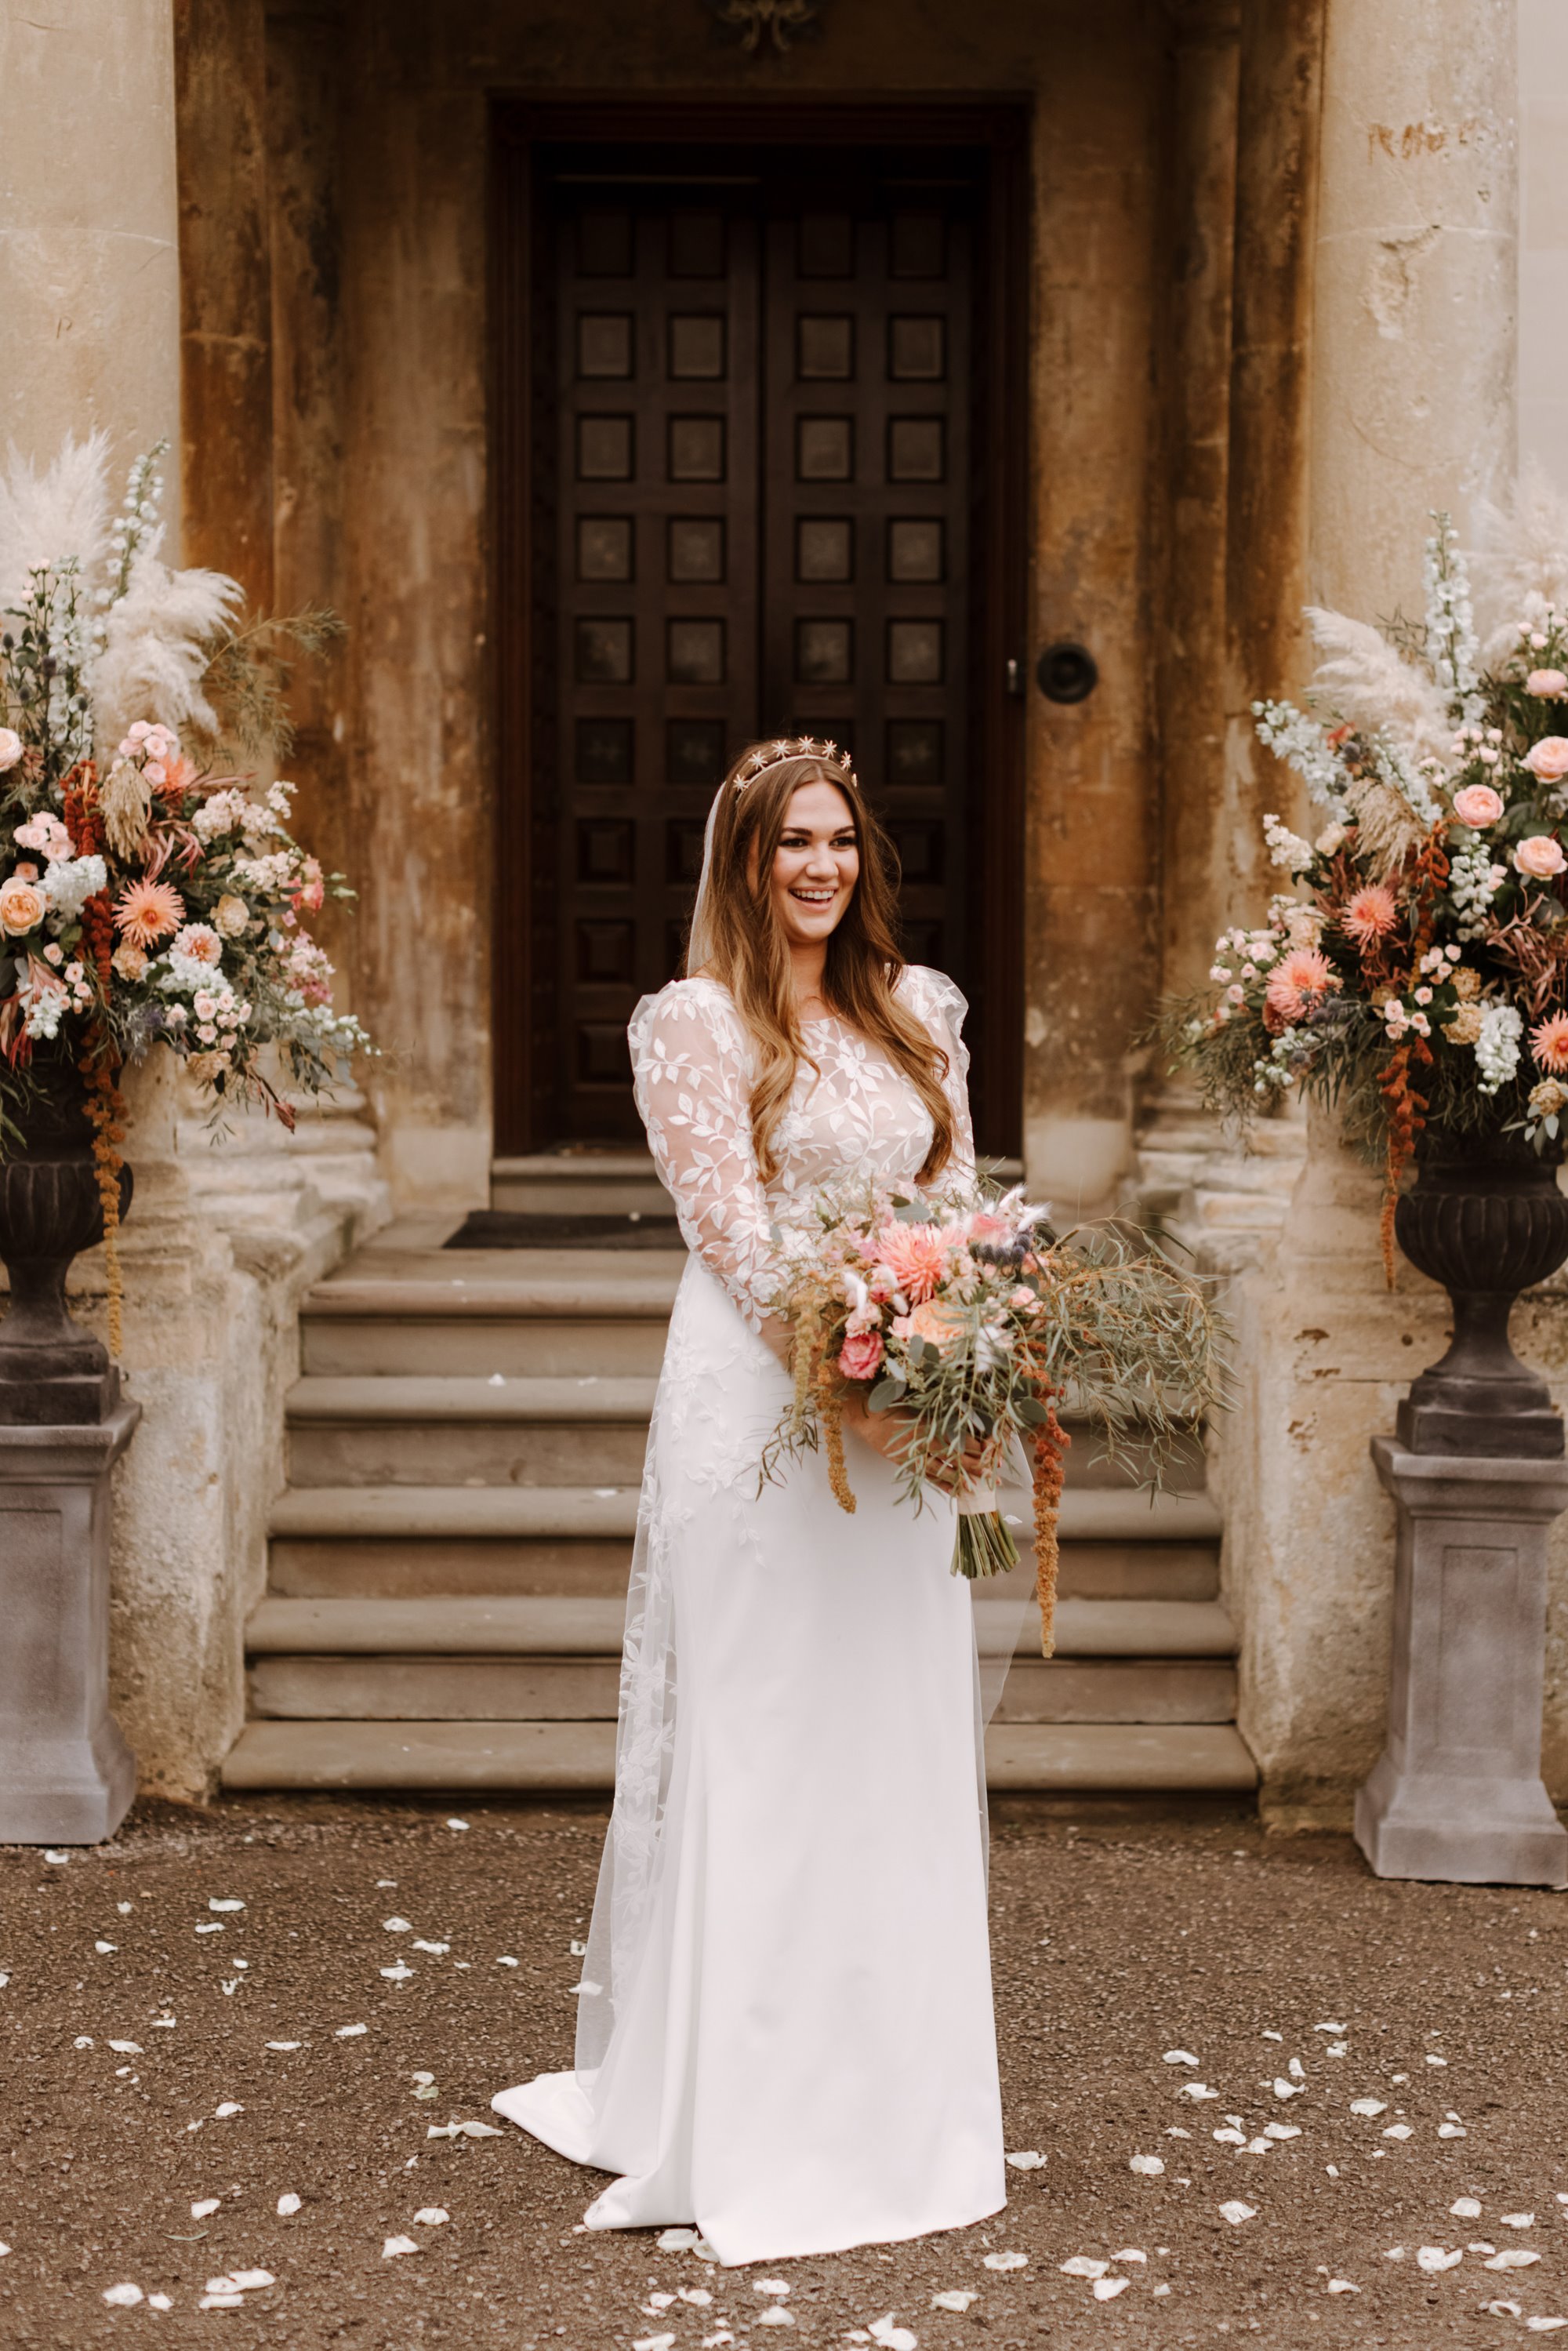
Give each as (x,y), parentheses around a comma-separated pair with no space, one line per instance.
(1478,1474)
(67,1776)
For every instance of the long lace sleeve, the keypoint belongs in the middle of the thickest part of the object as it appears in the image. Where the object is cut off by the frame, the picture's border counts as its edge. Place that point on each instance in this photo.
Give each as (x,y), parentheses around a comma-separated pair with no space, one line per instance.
(691,1067)
(941,1007)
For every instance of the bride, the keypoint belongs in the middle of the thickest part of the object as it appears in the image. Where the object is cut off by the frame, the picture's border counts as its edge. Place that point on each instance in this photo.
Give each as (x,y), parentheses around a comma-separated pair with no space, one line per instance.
(785,2031)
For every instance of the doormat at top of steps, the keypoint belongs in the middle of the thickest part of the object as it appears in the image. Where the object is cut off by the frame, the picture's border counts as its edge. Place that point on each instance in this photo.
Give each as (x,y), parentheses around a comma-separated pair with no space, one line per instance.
(491,1229)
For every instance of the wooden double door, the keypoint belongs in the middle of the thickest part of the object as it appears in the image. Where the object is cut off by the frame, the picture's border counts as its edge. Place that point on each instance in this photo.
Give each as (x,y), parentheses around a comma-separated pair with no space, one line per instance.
(757,504)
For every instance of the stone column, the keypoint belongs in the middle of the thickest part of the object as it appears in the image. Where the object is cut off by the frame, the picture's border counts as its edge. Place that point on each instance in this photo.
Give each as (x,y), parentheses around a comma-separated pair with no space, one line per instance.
(1411,371)
(1457,1793)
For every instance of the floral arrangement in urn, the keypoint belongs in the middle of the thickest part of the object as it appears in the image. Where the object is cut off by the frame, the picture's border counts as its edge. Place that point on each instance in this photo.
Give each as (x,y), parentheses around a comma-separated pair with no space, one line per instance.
(1414,973)
(148,896)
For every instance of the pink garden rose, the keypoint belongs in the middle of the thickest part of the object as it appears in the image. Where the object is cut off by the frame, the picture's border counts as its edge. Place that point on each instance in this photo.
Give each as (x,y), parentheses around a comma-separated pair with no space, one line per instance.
(1540,857)
(23,906)
(1546,684)
(1477,805)
(861,1355)
(10,747)
(1548,759)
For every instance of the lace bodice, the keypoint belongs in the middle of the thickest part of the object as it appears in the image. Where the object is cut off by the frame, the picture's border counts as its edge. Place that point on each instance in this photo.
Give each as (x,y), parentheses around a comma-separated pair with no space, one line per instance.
(855,1113)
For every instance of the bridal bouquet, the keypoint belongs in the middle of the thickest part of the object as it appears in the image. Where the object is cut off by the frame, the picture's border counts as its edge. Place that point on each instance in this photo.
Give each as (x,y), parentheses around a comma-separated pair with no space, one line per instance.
(1415,974)
(972,1320)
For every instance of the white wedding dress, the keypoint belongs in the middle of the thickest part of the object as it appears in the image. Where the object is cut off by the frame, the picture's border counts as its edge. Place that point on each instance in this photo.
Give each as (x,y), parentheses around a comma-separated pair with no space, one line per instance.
(785,2031)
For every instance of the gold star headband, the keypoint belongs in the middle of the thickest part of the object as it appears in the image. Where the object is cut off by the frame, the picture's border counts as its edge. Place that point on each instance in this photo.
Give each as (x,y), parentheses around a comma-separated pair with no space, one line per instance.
(799,746)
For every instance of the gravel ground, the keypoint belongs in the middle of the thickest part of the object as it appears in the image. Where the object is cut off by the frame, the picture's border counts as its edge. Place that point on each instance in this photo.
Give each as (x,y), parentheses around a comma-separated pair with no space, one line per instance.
(1119,1936)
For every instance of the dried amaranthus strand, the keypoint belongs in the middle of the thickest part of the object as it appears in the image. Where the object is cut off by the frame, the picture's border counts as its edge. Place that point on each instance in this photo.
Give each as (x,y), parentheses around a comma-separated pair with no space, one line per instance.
(1051,1442)
(1406,1117)
(831,1404)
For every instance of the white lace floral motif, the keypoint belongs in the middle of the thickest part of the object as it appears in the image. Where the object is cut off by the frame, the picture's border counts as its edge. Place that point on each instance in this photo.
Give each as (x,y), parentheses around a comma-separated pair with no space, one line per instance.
(853,1114)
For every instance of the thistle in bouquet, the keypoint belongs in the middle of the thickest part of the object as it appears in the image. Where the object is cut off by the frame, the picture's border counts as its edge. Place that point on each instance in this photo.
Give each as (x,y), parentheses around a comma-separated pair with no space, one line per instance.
(970,1318)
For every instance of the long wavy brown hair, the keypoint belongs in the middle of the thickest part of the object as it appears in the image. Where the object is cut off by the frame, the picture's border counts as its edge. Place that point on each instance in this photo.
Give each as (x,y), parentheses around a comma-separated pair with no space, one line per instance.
(743,946)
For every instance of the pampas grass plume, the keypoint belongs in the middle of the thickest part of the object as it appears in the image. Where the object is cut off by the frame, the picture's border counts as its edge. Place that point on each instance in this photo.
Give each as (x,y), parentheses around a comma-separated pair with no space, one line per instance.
(48,516)
(154,652)
(1366,681)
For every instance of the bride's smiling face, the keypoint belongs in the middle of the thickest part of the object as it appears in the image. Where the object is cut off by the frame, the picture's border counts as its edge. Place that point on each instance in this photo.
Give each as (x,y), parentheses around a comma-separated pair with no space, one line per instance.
(816,864)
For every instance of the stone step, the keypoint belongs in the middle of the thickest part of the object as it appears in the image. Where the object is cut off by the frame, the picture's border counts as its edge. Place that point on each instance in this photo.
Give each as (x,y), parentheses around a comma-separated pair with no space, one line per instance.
(580,1184)
(465,1432)
(609,1317)
(560,1758)
(559,1624)
(1122,1517)
(523,1690)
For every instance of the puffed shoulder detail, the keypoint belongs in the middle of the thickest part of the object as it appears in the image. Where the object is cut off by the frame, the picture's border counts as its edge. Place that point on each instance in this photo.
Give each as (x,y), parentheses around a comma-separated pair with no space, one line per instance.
(932,992)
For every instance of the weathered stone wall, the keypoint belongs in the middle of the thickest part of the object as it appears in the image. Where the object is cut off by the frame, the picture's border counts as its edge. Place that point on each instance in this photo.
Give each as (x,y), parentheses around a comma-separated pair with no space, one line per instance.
(1411,355)
(380,254)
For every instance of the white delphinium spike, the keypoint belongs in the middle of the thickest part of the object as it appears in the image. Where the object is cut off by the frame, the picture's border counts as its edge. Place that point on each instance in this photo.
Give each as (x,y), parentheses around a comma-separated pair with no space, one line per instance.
(1451,644)
(156,646)
(1497,1047)
(1364,681)
(54,515)
(1303,745)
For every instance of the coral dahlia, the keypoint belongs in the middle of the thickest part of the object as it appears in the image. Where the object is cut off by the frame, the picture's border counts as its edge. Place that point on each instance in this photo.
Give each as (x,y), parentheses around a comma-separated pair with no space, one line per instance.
(1298,982)
(1370,916)
(146,912)
(1549,1043)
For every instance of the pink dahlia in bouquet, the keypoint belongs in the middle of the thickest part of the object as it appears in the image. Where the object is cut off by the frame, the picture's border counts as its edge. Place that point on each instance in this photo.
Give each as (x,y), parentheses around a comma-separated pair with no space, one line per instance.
(970,1318)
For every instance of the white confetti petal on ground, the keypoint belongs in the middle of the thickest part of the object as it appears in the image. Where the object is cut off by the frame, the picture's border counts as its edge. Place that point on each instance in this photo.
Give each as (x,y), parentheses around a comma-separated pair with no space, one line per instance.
(288,2204)
(399,1974)
(958,2298)
(286,2044)
(1296,2070)
(769,2285)
(588,1988)
(165,2023)
(891,2337)
(656,2303)
(1394,2254)
(56,1857)
(1229,2138)
(578,1951)
(1149,2166)
(1545,2326)
(1180,2057)
(652,2343)
(4,2250)
(1466,2207)
(1007,2260)
(106,1947)
(1398,2130)
(1162,2289)
(220,2301)
(1433,2059)
(431,2216)
(456,1825)
(1258,2147)
(1236,2212)
(211,1927)
(229,2106)
(392,2246)
(207,2204)
(126,2048)
(1433,2258)
(1515,2258)
(1281,2131)
(703,2251)
(1129,2254)
(777,2315)
(1481,2246)
(1084,2265)
(126,2296)
(677,2240)
(1330,2027)
(1197,2090)
(1272,2036)
(724,2336)
(506,1960)
(1450,2130)
(350,2031)
(1369,2106)
(398,1926)
(224,1902)
(437,1948)
(1175,2130)
(1337,2049)
(1106,2289)
(1342,2285)
(698,2294)
(1517,2220)
(1283,2089)
(159,2302)
(252,2281)
(1027,2159)
(1502,2309)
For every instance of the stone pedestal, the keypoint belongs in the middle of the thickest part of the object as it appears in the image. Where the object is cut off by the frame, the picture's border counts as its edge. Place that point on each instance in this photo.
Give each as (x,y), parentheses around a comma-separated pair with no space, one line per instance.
(1458,1793)
(67,1776)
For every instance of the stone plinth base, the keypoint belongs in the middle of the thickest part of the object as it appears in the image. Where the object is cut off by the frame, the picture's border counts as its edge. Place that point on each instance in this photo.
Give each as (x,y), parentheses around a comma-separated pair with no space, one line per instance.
(67,1776)
(1458,1793)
